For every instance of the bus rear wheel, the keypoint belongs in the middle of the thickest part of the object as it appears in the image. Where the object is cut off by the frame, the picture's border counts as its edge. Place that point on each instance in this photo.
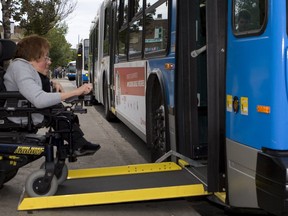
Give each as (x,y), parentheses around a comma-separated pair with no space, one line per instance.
(159,144)
(157,124)
(108,114)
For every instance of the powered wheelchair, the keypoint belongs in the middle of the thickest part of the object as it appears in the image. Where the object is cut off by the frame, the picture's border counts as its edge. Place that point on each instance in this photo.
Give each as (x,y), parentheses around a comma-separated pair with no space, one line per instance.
(20,144)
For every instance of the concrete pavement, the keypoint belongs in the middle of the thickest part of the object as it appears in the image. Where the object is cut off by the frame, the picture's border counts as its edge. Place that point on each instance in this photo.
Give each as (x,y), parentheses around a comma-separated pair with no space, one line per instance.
(119,146)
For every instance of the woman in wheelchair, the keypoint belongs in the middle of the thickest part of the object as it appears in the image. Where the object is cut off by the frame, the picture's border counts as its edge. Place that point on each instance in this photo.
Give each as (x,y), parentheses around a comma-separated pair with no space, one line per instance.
(31,58)
(23,75)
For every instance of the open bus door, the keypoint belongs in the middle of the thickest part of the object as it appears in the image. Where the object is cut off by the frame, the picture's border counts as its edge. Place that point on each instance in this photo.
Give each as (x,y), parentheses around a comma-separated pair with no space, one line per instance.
(200,87)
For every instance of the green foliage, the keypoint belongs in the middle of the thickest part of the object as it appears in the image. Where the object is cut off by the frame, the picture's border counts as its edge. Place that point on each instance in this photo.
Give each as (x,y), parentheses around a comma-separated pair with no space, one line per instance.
(43,17)
(40,16)
(60,52)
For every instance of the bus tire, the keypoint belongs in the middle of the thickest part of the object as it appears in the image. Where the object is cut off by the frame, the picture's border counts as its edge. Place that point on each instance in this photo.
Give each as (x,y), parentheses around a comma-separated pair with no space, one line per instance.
(157,123)
(109,116)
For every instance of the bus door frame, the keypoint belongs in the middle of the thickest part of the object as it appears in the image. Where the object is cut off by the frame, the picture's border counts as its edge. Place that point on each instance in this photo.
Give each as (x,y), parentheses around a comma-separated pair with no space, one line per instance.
(186,86)
(216,31)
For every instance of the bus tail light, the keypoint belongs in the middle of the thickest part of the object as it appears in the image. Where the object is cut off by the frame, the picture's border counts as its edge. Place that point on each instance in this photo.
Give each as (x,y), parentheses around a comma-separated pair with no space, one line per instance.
(169,66)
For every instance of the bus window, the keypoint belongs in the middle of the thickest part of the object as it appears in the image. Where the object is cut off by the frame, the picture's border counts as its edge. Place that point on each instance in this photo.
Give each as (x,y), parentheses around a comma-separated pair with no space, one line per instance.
(249,17)
(106,32)
(138,6)
(96,40)
(135,38)
(150,2)
(122,44)
(125,11)
(156,23)
(122,34)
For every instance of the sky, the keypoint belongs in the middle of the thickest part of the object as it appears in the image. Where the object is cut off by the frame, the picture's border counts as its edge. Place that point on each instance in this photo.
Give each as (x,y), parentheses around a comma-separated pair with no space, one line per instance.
(80,21)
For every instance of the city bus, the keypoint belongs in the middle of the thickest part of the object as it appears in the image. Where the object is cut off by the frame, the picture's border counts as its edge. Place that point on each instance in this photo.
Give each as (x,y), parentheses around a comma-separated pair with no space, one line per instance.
(71,70)
(205,80)
(82,62)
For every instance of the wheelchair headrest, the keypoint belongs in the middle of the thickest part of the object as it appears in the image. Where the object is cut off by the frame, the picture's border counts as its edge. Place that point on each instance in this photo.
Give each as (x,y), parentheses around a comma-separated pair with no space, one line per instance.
(7,49)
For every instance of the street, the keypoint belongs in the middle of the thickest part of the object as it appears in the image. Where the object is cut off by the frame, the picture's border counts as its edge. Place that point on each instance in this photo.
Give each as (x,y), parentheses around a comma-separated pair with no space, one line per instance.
(119,146)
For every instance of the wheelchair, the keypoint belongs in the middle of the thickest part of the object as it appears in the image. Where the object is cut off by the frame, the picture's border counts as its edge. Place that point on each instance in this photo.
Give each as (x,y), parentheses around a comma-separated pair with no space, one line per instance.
(20,144)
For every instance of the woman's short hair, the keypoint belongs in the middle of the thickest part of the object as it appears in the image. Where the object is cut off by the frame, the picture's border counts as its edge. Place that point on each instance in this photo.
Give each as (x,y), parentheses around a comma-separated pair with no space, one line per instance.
(32,47)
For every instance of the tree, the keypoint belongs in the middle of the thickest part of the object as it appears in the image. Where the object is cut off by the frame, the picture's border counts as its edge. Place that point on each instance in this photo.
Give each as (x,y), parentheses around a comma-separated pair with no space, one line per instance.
(35,16)
(40,16)
(60,51)
(8,6)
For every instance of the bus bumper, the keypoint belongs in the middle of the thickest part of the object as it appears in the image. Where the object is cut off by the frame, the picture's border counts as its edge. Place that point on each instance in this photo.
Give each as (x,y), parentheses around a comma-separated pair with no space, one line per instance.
(272,181)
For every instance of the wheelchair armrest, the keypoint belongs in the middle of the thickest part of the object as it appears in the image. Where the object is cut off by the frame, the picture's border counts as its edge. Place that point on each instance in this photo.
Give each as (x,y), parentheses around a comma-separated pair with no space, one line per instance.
(11,94)
(80,98)
(73,99)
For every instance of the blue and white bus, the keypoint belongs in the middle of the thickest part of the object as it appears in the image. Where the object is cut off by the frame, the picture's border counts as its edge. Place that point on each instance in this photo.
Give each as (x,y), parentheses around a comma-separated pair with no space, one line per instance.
(71,70)
(82,62)
(205,79)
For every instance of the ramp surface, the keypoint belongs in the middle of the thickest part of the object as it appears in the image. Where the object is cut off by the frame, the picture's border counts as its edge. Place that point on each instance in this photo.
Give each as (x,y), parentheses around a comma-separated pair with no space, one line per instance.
(119,184)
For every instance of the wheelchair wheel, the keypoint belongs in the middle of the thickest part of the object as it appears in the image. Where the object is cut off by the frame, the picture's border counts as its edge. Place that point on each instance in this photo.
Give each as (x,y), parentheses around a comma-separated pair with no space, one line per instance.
(62,176)
(33,185)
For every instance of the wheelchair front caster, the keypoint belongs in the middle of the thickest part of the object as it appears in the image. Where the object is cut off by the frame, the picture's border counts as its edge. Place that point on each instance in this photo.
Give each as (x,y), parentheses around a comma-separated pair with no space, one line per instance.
(61,175)
(36,186)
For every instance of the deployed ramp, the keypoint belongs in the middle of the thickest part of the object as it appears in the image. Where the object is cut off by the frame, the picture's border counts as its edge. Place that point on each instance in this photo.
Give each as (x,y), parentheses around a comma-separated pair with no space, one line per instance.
(119,184)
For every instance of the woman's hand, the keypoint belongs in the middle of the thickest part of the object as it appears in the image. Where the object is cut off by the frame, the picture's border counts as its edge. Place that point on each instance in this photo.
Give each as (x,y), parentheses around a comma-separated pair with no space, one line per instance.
(84,89)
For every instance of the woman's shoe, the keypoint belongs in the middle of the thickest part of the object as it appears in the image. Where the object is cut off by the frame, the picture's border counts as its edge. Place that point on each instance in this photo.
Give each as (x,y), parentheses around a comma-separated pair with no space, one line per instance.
(87,149)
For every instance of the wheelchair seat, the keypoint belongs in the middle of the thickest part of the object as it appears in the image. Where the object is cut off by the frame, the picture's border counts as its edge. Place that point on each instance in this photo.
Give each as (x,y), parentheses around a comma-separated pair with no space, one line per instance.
(19,143)
(9,100)
(7,52)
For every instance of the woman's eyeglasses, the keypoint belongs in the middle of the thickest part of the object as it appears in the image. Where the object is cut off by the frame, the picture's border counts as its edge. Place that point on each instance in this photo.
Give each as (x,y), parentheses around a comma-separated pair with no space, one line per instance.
(47,58)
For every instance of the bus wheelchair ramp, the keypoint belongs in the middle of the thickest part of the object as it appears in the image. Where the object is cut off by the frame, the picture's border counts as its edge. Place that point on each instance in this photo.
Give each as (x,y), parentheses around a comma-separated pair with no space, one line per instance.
(141,182)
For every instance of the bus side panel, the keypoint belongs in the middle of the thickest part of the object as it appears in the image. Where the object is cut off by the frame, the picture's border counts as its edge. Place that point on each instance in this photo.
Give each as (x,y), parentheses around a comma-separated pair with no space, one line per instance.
(248,79)
(130,79)
(256,76)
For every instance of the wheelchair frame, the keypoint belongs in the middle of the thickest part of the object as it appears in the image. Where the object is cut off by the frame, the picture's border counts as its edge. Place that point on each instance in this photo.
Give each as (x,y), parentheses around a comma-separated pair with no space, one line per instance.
(20,145)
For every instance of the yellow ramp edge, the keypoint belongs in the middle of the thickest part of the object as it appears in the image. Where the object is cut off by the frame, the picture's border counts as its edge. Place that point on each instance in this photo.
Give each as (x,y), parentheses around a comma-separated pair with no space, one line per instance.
(123,170)
(111,197)
(221,196)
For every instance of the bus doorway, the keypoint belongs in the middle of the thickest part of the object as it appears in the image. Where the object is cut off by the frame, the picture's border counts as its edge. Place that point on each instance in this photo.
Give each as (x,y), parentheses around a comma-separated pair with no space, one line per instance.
(200,88)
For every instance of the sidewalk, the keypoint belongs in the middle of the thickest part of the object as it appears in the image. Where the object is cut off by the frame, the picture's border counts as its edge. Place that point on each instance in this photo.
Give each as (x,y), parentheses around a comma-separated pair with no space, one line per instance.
(119,146)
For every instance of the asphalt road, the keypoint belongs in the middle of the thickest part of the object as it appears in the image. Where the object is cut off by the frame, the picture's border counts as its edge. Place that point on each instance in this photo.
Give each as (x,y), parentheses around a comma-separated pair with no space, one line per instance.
(119,146)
